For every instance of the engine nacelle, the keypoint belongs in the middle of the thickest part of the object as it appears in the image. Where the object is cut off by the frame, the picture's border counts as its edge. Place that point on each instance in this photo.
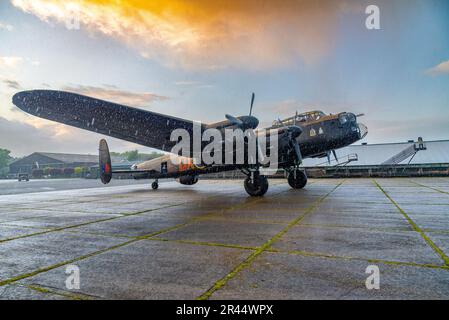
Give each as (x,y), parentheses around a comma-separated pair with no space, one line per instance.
(188,180)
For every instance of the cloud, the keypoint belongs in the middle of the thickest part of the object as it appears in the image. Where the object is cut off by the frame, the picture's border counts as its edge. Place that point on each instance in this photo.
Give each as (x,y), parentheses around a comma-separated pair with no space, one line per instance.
(12,84)
(34,134)
(194,84)
(187,83)
(6,27)
(442,68)
(113,94)
(18,136)
(432,127)
(10,62)
(204,34)
(24,134)
(286,107)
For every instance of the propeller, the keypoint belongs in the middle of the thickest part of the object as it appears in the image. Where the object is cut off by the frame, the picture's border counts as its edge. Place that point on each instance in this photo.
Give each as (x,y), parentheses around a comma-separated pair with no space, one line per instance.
(245,122)
(281,123)
(235,121)
(292,133)
(328,154)
(284,126)
(252,103)
(298,151)
(335,155)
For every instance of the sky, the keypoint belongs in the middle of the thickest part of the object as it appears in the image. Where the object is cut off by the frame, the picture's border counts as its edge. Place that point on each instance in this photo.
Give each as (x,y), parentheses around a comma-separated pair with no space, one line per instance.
(201,59)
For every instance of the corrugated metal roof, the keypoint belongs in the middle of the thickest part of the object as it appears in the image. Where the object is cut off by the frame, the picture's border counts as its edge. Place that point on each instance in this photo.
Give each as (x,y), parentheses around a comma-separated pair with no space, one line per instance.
(71,158)
(376,154)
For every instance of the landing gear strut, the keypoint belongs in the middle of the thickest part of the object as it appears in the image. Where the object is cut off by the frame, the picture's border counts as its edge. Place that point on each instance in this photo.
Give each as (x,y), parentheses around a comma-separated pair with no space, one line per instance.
(297,179)
(255,184)
(155,185)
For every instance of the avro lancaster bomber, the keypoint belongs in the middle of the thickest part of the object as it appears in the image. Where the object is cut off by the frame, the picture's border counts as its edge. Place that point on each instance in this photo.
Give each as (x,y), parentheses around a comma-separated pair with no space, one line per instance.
(305,135)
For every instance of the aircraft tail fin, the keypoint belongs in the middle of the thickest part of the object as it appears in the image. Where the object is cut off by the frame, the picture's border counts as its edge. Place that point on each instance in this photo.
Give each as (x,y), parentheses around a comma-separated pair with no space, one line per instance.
(105,162)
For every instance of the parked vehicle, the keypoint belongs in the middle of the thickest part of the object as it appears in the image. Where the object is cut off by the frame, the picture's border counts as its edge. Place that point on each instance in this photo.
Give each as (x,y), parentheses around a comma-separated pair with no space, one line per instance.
(23,177)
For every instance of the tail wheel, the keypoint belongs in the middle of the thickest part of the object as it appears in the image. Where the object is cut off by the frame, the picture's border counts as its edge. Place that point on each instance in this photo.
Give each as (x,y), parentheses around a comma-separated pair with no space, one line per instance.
(257,186)
(297,179)
(155,185)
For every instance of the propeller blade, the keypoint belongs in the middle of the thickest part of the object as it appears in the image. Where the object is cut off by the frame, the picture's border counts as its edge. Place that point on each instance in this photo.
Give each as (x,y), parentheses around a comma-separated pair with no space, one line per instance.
(298,152)
(328,154)
(360,115)
(234,120)
(335,155)
(252,103)
(260,154)
(281,123)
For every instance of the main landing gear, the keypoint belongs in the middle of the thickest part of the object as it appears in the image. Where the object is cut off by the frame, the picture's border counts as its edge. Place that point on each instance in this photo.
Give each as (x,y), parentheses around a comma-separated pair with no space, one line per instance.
(297,179)
(155,185)
(255,184)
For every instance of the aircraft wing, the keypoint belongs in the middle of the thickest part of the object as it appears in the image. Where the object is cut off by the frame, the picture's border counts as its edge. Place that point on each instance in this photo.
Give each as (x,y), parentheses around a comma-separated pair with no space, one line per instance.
(134,125)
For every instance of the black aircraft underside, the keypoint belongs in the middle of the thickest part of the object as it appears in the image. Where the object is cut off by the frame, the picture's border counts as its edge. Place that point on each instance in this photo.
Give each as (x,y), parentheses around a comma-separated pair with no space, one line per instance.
(143,174)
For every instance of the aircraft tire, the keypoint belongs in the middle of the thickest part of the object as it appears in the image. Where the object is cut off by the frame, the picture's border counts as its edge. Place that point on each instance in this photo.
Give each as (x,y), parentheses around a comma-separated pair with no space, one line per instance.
(257,190)
(298,180)
(155,185)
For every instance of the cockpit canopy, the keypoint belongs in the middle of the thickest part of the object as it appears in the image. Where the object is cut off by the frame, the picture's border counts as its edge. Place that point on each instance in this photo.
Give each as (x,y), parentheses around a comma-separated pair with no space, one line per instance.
(347,117)
(301,118)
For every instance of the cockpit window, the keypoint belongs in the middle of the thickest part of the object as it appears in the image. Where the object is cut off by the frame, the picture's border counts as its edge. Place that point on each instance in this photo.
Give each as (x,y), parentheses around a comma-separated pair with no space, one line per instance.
(302,117)
(315,115)
(347,117)
(343,118)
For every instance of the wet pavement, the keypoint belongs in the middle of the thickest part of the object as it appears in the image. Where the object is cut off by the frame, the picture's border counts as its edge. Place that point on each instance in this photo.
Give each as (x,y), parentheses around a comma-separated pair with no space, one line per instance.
(46,185)
(212,241)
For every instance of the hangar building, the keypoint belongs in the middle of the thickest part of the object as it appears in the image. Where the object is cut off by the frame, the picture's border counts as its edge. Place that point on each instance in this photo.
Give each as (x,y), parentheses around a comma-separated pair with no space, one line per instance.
(436,152)
(412,158)
(54,160)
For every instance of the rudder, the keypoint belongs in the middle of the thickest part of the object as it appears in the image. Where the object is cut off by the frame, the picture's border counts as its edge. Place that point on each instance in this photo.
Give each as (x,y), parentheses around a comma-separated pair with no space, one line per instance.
(105,162)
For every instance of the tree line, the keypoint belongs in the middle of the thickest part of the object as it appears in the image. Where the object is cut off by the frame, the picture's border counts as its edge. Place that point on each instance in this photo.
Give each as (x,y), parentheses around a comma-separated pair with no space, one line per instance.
(135,155)
(5,160)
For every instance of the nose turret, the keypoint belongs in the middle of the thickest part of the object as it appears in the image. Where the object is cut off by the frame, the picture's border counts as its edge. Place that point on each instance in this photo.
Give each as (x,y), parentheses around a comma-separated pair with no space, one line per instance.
(363,130)
(349,120)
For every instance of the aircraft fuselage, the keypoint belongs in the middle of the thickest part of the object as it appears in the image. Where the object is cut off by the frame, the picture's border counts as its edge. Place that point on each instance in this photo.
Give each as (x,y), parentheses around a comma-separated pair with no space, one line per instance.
(319,137)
